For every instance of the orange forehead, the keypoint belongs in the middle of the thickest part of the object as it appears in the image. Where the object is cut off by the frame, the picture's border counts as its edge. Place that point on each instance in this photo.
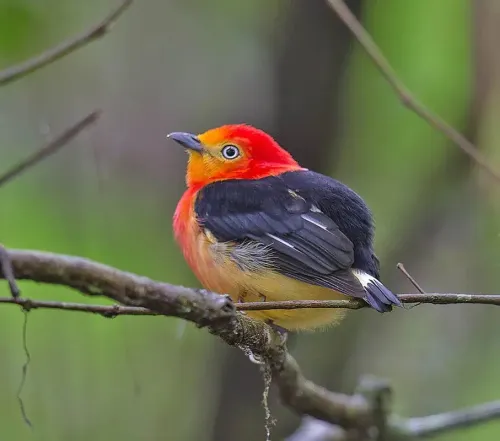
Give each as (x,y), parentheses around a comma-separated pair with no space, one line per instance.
(255,142)
(216,136)
(237,133)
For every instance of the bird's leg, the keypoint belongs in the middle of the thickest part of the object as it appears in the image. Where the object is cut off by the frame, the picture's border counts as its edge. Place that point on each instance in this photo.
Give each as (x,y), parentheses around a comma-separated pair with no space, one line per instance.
(242,295)
(283,333)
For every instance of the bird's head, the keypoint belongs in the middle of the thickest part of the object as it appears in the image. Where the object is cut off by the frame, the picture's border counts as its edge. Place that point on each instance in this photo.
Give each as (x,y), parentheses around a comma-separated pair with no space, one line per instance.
(232,152)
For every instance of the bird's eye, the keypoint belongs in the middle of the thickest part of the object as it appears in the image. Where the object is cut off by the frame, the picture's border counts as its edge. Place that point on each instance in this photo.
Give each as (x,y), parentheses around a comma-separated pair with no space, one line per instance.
(230,151)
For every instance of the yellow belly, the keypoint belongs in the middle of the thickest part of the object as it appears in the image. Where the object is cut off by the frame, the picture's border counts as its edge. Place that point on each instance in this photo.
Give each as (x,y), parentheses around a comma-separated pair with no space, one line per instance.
(218,273)
(271,286)
(225,277)
(276,287)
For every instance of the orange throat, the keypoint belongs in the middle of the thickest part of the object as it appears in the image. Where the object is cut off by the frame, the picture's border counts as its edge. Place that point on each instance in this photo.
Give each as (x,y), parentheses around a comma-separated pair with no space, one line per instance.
(184,223)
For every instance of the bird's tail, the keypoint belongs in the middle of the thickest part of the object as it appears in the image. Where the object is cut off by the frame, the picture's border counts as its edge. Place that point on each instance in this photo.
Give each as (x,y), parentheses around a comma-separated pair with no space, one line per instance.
(377,295)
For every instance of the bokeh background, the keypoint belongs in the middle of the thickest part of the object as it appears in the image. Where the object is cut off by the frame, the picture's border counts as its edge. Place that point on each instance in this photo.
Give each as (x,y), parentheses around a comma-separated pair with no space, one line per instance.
(291,68)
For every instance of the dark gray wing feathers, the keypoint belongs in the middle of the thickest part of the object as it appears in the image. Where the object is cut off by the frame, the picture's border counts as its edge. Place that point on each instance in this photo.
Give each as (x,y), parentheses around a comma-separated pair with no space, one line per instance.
(306,244)
(316,228)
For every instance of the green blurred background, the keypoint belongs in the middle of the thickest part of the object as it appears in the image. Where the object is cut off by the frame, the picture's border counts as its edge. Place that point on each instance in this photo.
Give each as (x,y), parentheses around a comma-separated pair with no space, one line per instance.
(291,68)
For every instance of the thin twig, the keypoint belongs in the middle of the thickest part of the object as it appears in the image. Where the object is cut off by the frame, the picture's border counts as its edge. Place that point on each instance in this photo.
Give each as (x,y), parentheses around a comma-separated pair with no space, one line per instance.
(433,425)
(403,429)
(49,149)
(7,271)
(406,97)
(412,281)
(95,32)
(402,268)
(111,311)
(108,311)
(431,298)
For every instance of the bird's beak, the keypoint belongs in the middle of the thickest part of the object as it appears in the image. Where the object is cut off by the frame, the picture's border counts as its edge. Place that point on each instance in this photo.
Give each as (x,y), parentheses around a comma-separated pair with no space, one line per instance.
(187,140)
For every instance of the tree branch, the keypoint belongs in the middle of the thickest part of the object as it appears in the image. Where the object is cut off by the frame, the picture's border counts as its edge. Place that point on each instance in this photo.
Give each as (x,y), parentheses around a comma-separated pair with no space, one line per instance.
(404,429)
(432,425)
(142,296)
(406,97)
(203,308)
(14,73)
(50,148)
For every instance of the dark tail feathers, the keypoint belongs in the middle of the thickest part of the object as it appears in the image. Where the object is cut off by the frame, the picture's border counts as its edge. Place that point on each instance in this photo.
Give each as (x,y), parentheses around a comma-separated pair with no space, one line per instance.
(379,297)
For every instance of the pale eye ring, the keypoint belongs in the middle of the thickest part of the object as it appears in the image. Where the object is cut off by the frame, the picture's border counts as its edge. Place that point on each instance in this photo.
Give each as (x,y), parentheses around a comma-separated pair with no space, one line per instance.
(230,151)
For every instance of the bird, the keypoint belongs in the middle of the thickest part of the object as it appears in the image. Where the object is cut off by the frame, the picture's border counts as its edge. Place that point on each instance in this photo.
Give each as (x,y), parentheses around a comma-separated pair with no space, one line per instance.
(255,225)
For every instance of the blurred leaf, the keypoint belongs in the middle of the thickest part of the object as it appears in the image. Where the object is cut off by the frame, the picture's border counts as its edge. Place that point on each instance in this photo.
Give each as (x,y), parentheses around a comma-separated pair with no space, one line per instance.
(20,25)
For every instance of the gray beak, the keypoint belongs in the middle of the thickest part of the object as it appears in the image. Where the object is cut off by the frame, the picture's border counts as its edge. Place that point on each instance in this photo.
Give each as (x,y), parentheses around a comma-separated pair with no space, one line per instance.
(187,140)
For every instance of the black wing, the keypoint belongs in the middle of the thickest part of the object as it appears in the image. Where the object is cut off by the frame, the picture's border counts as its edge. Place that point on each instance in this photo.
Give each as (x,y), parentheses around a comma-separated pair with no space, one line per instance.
(307,244)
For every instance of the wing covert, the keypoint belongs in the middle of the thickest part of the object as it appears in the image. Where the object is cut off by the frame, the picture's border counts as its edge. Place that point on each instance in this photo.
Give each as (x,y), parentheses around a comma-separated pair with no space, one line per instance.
(306,244)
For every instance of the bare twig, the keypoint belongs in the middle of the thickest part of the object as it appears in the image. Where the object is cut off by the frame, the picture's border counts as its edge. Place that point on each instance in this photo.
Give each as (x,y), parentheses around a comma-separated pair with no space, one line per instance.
(108,311)
(49,149)
(410,278)
(432,425)
(16,72)
(404,429)
(431,298)
(6,270)
(406,97)
(412,281)
(119,310)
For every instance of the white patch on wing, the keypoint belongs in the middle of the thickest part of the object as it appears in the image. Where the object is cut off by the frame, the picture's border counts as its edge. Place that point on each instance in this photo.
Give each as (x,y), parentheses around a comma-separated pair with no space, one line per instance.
(314,221)
(278,239)
(364,278)
(315,209)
